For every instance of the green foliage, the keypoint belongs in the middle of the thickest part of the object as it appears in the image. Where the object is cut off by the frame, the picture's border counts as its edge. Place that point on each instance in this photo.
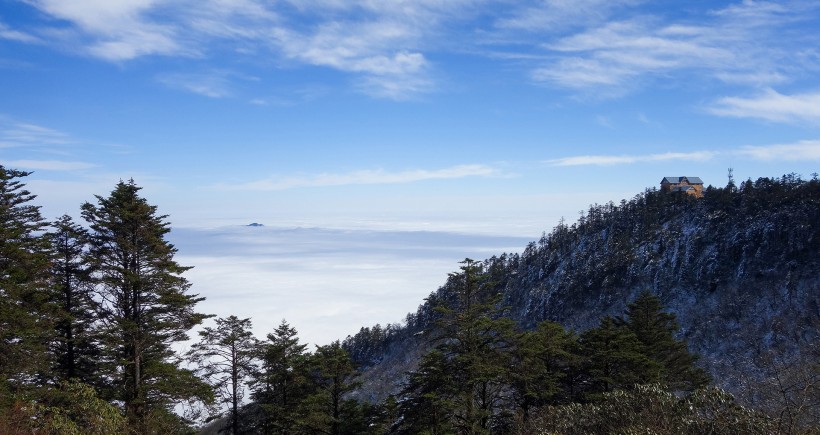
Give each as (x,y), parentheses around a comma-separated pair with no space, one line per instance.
(543,360)
(655,330)
(27,316)
(615,358)
(326,410)
(225,356)
(650,409)
(474,350)
(282,382)
(72,408)
(145,305)
(76,346)
(426,406)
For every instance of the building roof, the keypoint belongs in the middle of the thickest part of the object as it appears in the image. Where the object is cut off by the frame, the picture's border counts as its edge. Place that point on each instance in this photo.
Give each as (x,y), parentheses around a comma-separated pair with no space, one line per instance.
(678,180)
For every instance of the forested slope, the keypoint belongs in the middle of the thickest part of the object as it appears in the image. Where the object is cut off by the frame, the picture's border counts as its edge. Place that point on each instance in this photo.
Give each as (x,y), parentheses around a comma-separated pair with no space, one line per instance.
(739,268)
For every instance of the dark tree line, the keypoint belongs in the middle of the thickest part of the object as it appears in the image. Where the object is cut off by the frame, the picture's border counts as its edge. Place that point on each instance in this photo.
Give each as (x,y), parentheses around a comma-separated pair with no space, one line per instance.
(485,375)
(89,313)
(88,317)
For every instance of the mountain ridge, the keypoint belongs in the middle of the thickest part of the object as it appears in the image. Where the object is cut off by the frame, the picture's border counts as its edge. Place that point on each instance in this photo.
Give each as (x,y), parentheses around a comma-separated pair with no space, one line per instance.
(738,267)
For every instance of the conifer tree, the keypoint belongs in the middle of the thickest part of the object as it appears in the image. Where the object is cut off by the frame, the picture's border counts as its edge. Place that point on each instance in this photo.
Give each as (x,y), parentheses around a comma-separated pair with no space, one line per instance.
(327,410)
(655,330)
(426,406)
(474,345)
(282,381)
(615,358)
(145,307)
(26,314)
(225,355)
(540,360)
(76,346)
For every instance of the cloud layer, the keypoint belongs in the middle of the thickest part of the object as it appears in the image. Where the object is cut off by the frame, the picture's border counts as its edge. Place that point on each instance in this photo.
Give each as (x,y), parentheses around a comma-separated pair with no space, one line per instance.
(377,176)
(398,49)
(807,150)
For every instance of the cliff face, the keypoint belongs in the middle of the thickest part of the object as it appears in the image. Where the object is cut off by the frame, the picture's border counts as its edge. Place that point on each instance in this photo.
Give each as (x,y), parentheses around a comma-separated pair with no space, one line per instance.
(739,267)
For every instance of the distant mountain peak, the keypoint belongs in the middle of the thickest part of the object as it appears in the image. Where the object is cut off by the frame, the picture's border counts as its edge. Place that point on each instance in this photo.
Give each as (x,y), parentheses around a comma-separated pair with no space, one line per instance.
(255,224)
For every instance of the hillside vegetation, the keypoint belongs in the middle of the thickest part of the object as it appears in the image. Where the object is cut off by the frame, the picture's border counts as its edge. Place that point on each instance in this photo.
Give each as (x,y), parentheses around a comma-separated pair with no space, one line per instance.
(738,268)
(663,314)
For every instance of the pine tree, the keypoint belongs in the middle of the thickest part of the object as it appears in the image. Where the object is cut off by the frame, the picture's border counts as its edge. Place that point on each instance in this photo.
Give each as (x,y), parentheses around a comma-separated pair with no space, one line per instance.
(76,347)
(145,307)
(225,355)
(426,406)
(655,330)
(282,382)
(26,315)
(540,360)
(615,358)
(327,410)
(473,339)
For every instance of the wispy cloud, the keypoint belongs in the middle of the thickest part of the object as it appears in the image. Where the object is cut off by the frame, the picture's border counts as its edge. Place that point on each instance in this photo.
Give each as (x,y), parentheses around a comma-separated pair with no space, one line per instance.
(390,49)
(378,43)
(771,106)
(48,165)
(605,160)
(742,44)
(806,150)
(21,134)
(364,177)
(213,84)
(16,35)
(115,30)
(800,151)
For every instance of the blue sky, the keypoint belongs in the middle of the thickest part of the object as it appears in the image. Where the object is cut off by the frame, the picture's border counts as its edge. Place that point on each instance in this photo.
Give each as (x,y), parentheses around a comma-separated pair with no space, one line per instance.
(491,118)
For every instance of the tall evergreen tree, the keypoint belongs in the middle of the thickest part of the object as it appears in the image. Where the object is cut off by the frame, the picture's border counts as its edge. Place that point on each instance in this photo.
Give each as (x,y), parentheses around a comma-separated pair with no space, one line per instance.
(540,360)
(655,330)
(145,306)
(615,358)
(282,381)
(26,315)
(327,410)
(226,355)
(76,348)
(426,406)
(473,340)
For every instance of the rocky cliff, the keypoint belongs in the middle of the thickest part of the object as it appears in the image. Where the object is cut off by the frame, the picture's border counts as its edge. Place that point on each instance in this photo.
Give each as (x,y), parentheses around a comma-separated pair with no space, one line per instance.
(739,267)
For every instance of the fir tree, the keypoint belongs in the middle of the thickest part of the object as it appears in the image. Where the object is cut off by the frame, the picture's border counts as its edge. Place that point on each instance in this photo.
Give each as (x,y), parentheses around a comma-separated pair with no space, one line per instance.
(540,361)
(282,382)
(145,307)
(225,355)
(615,358)
(26,315)
(76,347)
(327,410)
(426,406)
(474,351)
(655,330)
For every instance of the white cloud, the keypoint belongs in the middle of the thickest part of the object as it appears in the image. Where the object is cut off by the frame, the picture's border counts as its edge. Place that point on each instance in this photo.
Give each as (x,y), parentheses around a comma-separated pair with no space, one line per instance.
(604,160)
(119,30)
(22,134)
(380,51)
(743,44)
(806,150)
(771,106)
(800,151)
(327,283)
(16,35)
(365,177)
(48,165)
(551,16)
(214,84)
